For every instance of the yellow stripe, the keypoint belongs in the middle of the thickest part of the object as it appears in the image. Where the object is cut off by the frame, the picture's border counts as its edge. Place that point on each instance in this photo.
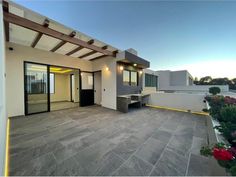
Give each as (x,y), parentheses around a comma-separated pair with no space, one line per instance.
(7,149)
(179,110)
(201,113)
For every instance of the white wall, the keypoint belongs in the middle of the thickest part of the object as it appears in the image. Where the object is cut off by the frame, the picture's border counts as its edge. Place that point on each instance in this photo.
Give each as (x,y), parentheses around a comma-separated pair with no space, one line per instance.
(108,80)
(3,117)
(15,73)
(173,78)
(62,88)
(183,101)
(197,88)
(163,79)
(178,78)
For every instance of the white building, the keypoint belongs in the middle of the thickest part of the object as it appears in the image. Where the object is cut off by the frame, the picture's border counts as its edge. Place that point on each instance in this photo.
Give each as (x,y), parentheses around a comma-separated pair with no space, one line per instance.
(174,81)
(169,78)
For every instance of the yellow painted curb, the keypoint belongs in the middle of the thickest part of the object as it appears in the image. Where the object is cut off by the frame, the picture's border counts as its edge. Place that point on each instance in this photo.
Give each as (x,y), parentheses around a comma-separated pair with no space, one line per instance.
(7,149)
(179,110)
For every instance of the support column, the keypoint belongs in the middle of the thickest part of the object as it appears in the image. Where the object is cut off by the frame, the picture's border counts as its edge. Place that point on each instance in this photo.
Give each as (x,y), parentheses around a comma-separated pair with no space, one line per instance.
(3,117)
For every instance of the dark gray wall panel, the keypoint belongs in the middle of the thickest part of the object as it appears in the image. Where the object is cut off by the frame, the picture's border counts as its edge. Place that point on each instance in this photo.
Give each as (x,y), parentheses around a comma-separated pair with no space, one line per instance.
(127,89)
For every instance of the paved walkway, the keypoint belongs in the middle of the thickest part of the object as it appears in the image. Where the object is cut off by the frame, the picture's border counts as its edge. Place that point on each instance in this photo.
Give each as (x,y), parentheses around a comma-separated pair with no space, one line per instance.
(99,141)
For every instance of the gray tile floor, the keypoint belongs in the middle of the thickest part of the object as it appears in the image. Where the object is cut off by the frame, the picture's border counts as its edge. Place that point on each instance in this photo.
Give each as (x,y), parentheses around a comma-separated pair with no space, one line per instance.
(63,105)
(98,141)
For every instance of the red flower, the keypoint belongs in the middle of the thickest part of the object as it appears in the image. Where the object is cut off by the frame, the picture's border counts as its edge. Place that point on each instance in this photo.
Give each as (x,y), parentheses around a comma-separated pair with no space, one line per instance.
(222,154)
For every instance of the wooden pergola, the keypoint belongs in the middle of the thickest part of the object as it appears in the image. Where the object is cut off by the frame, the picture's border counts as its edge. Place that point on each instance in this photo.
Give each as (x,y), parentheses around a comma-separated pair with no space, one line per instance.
(45,30)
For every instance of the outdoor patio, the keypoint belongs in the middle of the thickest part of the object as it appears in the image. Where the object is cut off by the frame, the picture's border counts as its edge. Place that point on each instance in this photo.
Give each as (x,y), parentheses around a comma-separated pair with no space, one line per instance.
(99,141)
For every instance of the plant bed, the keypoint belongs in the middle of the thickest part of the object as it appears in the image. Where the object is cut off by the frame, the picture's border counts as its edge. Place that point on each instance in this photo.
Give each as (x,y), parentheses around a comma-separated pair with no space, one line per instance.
(222,132)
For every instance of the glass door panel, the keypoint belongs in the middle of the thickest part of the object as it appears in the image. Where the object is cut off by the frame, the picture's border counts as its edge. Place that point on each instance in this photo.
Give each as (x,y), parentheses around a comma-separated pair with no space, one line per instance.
(36,88)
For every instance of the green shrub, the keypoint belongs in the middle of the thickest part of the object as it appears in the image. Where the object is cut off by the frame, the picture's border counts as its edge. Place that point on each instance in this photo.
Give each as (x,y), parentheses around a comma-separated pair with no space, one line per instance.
(214,90)
(228,114)
(216,103)
(227,129)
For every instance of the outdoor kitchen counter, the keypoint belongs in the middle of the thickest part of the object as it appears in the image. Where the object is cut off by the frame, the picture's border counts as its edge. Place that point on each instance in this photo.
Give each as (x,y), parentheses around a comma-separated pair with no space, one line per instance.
(137,100)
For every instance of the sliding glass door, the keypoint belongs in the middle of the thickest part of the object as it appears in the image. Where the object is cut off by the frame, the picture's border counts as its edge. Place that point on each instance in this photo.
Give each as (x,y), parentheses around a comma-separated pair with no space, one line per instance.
(36,88)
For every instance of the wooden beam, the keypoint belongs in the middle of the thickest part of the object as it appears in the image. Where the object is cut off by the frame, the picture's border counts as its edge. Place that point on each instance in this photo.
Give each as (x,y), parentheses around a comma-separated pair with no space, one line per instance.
(87,54)
(39,35)
(75,50)
(90,42)
(60,44)
(79,48)
(96,58)
(92,52)
(105,47)
(11,18)
(6,24)
(114,55)
(115,52)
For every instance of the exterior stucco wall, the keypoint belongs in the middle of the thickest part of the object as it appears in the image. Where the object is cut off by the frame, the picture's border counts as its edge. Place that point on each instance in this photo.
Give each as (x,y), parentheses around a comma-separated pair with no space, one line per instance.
(3,117)
(183,101)
(197,88)
(15,71)
(178,78)
(173,78)
(108,80)
(127,89)
(163,79)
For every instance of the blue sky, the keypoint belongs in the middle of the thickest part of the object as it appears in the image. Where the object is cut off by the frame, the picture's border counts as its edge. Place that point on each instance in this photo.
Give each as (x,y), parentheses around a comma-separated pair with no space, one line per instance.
(198,36)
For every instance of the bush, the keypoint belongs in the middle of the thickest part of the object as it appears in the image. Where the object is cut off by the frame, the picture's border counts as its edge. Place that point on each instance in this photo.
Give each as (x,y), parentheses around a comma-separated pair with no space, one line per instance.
(214,90)
(228,114)
(216,103)
(230,100)
(228,131)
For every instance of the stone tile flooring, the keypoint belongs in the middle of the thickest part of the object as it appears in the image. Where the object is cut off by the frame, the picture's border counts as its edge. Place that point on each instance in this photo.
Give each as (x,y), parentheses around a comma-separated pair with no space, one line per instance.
(98,141)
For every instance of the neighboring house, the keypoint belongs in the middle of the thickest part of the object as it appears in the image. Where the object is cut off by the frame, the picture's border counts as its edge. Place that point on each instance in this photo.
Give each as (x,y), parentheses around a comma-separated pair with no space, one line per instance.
(174,81)
(169,78)
(182,81)
(150,81)
(162,80)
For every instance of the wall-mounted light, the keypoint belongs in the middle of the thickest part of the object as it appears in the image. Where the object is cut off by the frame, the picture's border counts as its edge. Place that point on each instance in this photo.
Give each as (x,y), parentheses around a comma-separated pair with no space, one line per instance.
(135,64)
(121,68)
(140,72)
(107,69)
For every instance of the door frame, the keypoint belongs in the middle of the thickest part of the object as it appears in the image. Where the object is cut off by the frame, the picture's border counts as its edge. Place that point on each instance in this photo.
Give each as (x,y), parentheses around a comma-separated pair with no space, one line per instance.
(80,85)
(99,71)
(25,88)
(48,80)
(71,97)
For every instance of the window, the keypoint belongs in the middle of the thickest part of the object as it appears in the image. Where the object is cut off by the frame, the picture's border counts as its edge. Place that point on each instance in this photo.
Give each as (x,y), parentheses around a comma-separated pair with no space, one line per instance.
(87,80)
(126,77)
(134,80)
(52,83)
(130,78)
(151,80)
